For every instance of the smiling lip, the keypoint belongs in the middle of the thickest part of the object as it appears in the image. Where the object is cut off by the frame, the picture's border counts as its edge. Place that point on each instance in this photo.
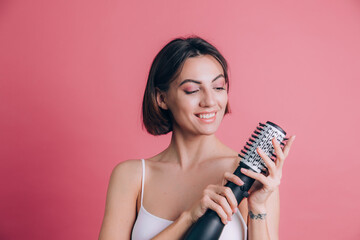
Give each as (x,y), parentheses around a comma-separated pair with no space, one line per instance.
(207,117)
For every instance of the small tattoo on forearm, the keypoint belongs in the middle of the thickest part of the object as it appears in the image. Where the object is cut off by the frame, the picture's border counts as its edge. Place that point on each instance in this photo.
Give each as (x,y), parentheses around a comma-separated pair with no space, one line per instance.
(260,216)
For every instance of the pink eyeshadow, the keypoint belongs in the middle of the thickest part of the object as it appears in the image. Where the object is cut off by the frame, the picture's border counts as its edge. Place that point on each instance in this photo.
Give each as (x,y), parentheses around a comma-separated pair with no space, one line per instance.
(190,89)
(221,84)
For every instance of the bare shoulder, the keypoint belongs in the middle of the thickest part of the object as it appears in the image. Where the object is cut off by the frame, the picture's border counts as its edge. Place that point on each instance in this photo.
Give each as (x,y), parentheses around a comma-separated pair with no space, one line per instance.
(120,209)
(125,180)
(130,169)
(232,155)
(126,172)
(226,150)
(126,177)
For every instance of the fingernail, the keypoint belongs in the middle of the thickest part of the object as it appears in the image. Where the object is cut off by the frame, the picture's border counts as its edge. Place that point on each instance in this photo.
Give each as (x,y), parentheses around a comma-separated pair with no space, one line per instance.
(244,170)
(225,222)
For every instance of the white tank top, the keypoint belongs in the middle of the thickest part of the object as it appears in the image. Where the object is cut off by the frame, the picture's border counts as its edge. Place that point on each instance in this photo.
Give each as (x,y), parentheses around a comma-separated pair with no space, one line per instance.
(148,225)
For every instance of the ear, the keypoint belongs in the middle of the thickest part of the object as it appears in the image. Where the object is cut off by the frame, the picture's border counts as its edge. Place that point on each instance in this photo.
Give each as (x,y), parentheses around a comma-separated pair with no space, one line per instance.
(161,99)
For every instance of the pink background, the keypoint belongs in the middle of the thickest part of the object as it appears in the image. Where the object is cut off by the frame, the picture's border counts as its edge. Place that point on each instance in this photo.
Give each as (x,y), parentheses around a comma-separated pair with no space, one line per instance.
(72,75)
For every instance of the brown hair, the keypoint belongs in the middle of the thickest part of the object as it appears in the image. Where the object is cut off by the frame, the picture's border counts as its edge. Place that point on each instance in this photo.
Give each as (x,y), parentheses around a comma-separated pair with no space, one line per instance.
(165,68)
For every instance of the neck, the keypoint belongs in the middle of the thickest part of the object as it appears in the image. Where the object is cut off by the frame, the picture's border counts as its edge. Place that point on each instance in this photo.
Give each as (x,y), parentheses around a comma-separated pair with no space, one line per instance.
(190,150)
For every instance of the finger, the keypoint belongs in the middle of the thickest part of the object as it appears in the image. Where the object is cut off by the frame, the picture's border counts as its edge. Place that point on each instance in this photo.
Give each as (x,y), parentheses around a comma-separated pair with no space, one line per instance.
(257,176)
(228,194)
(217,208)
(279,152)
(288,145)
(224,204)
(233,178)
(269,163)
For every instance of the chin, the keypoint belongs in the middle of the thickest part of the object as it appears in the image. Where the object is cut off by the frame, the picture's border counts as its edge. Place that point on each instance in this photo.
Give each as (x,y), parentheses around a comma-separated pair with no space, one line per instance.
(210,130)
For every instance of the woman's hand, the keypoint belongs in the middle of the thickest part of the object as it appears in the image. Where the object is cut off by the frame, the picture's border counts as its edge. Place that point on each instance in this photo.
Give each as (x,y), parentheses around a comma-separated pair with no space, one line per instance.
(265,185)
(219,198)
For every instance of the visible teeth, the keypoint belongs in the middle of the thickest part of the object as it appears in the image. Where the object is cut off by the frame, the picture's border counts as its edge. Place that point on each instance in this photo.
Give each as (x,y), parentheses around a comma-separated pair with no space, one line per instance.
(209,115)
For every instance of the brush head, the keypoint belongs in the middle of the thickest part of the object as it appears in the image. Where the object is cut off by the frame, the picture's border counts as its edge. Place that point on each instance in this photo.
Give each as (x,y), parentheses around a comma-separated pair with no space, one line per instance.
(262,137)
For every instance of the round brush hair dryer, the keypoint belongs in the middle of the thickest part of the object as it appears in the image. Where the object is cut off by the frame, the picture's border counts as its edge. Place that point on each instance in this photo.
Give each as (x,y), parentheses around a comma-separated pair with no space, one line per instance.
(209,226)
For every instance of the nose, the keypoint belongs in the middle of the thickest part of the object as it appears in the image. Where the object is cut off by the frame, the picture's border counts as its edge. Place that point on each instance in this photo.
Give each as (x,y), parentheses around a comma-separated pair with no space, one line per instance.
(207,99)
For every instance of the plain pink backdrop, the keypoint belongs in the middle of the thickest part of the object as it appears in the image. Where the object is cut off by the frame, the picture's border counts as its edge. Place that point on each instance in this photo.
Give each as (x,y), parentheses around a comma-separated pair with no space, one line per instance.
(72,75)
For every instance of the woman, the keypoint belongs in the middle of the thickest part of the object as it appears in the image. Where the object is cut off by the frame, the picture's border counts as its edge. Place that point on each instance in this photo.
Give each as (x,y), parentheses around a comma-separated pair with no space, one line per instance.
(160,198)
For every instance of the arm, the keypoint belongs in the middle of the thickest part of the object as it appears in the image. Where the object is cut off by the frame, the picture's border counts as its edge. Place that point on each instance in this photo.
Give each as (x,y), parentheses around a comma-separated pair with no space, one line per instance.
(264,221)
(120,209)
(264,200)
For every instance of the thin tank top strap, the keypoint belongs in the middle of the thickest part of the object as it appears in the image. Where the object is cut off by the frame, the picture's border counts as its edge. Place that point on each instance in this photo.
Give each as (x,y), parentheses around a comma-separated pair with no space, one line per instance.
(142,180)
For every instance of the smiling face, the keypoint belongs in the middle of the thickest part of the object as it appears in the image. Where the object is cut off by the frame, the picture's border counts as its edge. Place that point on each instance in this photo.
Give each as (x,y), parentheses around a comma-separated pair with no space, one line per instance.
(197,98)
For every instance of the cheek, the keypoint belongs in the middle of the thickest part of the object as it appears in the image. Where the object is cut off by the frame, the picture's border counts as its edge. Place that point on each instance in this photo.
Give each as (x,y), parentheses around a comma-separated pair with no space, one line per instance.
(183,107)
(188,105)
(188,102)
(223,99)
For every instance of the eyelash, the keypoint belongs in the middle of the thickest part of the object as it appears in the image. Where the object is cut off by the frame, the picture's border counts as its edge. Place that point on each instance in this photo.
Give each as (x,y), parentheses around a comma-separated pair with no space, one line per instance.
(220,88)
(191,92)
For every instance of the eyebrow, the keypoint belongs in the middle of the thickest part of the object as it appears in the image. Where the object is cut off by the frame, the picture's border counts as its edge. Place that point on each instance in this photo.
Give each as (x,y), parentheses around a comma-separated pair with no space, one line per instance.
(198,82)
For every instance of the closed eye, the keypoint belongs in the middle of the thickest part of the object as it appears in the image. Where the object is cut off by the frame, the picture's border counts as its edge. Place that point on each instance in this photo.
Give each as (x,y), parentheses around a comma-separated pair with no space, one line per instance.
(220,88)
(190,92)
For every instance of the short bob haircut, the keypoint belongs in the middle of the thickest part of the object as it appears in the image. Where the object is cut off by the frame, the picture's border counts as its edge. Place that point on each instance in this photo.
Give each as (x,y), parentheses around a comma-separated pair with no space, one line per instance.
(165,68)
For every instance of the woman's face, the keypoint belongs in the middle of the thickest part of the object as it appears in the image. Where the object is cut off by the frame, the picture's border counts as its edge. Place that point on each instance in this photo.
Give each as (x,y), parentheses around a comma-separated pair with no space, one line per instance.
(198,97)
